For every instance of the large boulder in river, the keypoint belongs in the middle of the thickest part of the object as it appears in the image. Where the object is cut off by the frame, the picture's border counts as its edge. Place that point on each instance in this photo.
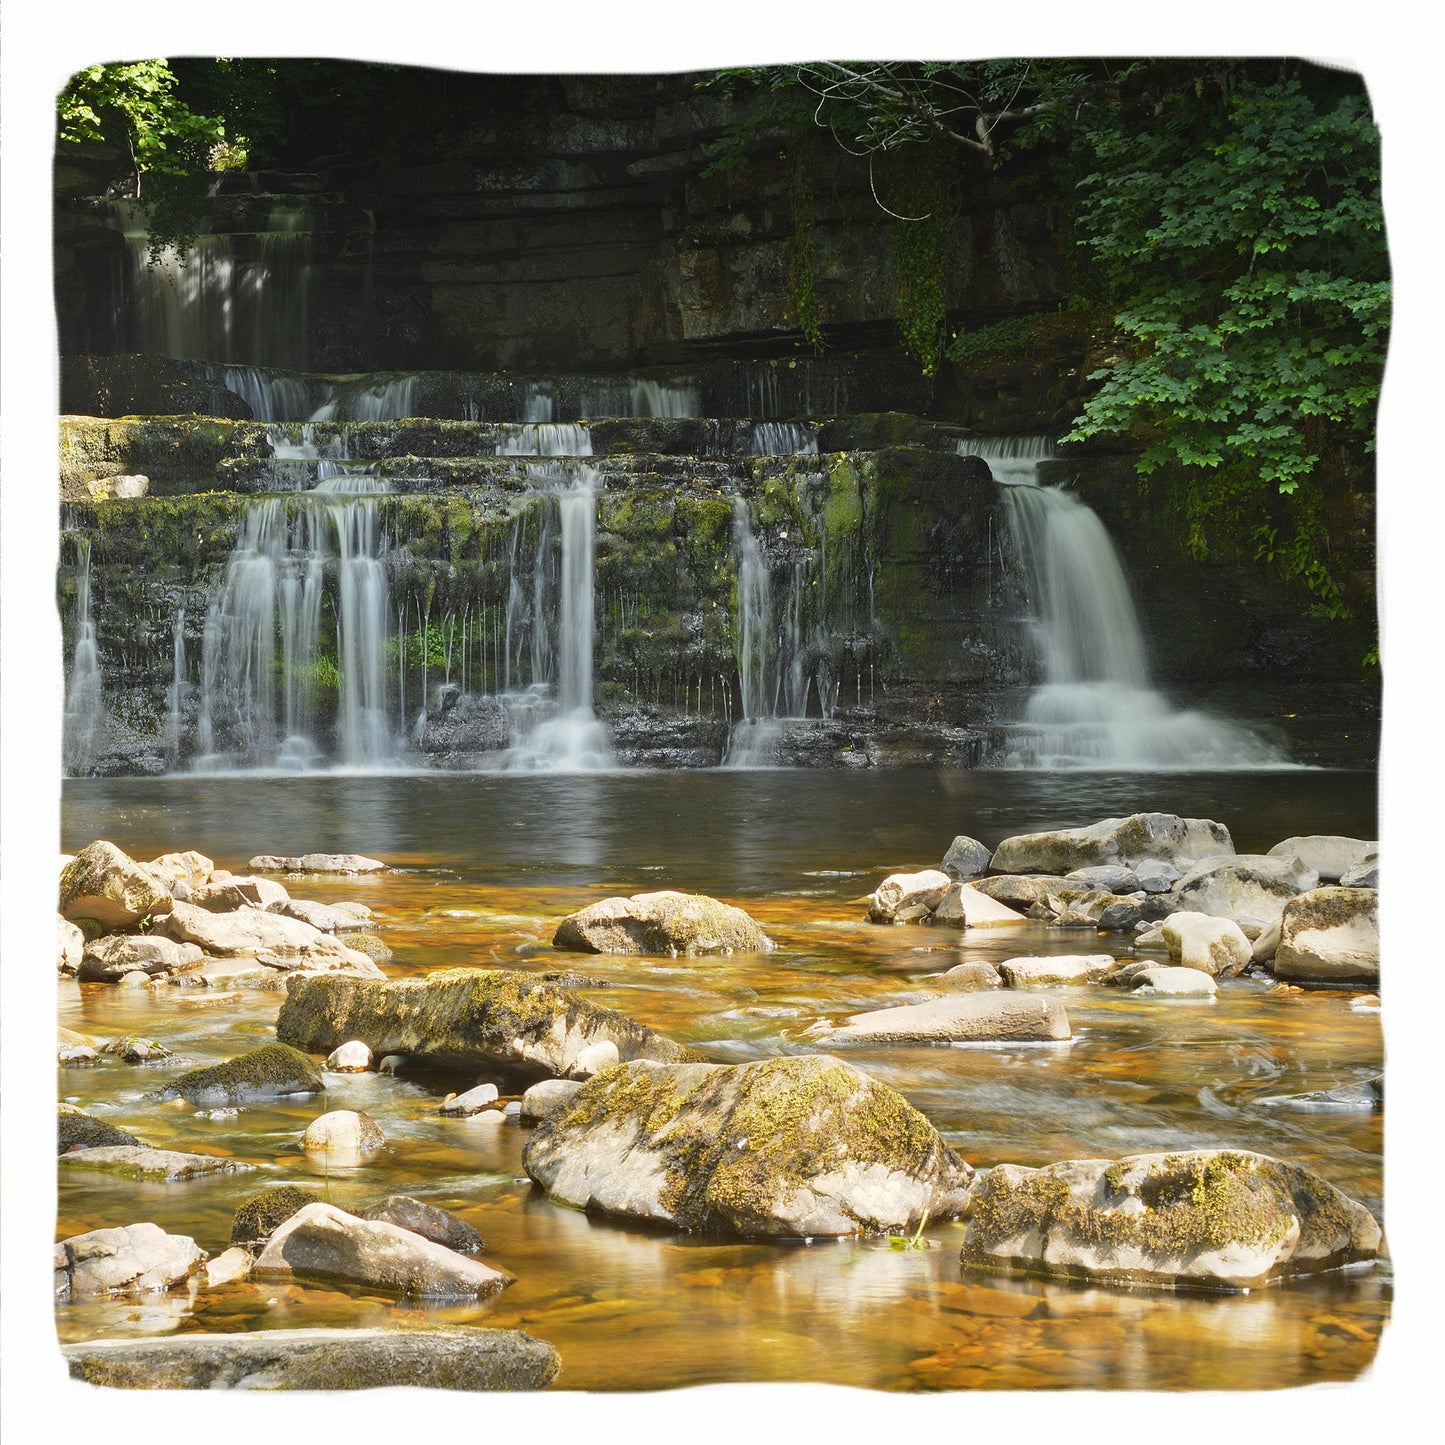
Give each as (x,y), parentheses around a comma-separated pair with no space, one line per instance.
(1027,894)
(665,924)
(247,931)
(792,1147)
(1199,940)
(1328,854)
(907,897)
(467,1018)
(322,1242)
(966,858)
(106,885)
(1129,841)
(1245,886)
(453,1357)
(1330,935)
(344,1136)
(108,960)
(961,1018)
(271,1072)
(1211,1219)
(133,1259)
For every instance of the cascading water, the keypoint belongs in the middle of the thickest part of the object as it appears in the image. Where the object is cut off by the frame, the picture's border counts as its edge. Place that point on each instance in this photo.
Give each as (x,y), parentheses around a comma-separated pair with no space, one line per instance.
(783,438)
(665,398)
(175,711)
(83,700)
(544,439)
(365,399)
(754,616)
(1095,706)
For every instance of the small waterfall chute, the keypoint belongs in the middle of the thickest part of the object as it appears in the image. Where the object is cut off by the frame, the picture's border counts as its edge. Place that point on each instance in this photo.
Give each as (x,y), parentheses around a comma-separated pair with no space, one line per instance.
(84,703)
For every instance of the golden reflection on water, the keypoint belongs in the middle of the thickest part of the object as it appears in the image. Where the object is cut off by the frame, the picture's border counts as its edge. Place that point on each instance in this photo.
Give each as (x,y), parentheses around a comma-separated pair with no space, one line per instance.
(635,1309)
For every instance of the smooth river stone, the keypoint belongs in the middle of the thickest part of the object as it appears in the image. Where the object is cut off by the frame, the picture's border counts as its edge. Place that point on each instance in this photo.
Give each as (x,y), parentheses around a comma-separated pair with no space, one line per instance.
(131,1259)
(968,1018)
(1061,968)
(137,1162)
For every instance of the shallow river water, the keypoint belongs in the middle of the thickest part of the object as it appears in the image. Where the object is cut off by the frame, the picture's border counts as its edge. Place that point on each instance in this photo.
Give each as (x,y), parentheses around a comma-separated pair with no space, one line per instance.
(485,865)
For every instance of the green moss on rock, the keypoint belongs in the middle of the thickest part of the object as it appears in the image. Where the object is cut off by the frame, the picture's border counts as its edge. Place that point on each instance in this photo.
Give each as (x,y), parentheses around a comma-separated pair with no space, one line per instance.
(270,1072)
(263,1214)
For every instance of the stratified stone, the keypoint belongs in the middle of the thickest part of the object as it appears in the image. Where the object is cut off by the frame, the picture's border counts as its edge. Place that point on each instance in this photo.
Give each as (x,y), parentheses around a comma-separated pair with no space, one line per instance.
(270,1072)
(1164,837)
(664,924)
(795,1147)
(106,885)
(133,1259)
(1330,935)
(965,1018)
(1211,1219)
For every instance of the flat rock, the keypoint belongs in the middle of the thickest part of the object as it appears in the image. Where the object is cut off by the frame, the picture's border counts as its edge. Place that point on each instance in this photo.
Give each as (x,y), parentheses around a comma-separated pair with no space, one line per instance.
(967,1018)
(323,1242)
(133,1259)
(1060,968)
(1164,837)
(78,1130)
(1215,946)
(252,931)
(794,1147)
(1210,1219)
(1329,855)
(108,960)
(459,1357)
(109,886)
(326,917)
(664,924)
(966,858)
(1330,935)
(133,1161)
(477,1019)
(225,897)
(271,1072)
(965,904)
(440,1226)
(317,863)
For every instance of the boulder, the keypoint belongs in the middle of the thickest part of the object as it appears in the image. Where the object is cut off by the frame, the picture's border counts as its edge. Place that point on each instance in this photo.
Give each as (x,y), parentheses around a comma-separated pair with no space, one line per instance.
(69,945)
(1246,886)
(317,863)
(1158,978)
(970,907)
(492,1020)
(371,944)
(106,885)
(131,1161)
(784,1147)
(133,1259)
(1210,1219)
(1060,968)
(344,1136)
(546,1097)
(271,1072)
(438,1225)
(966,1018)
(233,893)
(260,1216)
(76,1056)
(1122,916)
(251,931)
(1363,875)
(1020,891)
(975,974)
(472,1102)
(966,858)
(352,1057)
(1106,877)
(907,897)
(327,917)
(1155,876)
(1086,909)
(108,960)
(1328,855)
(457,1357)
(593,1059)
(78,1130)
(191,868)
(1163,837)
(322,1242)
(663,924)
(1330,935)
(1199,940)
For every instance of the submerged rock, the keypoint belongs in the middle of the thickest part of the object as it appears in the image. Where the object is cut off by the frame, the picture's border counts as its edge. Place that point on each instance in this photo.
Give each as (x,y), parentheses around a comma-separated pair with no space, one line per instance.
(1330,935)
(1162,837)
(110,887)
(138,1162)
(967,1018)
(799,1146)
(270,1072)
(1212,1219)
(1199,940)
(459,1357)
(907,897)
(323,1242)
(438,1225)
(665,923)
(133,1259)
(227,1267)
(481,1019)
(76,1129)
(260,1216)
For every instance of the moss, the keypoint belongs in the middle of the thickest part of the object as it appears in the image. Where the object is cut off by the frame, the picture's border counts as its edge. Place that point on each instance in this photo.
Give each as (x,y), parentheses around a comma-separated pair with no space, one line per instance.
(264,1073)
(263,1214)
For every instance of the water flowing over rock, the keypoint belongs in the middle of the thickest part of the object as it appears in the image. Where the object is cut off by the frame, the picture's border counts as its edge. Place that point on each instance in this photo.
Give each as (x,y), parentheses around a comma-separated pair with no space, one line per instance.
(84,705)
(971,1018)
(1207,1219)
(106,885)
(271,1072)
(467,1018)
(131,1259)
(663,924)
(1128,841)
(459,1357)
(1330,935)
(793,1147)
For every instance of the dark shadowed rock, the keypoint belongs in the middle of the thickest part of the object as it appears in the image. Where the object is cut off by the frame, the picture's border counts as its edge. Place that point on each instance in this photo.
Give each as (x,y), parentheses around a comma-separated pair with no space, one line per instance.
(438,1225)
(663,924)
(78,1130)
(966,858)
(258,1218)
(270,1072)
(799,1146)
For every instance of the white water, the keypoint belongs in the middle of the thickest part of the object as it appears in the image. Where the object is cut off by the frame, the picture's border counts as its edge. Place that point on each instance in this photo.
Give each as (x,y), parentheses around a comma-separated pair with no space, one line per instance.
(1096,706)
(665,398)
(363,399)
(544,439)
(175,711)
(783,438)
(83,698)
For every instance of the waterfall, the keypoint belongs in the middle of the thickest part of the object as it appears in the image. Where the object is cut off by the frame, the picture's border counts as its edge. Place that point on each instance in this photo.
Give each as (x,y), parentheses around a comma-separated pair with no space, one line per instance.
(1096,705)
(271,395)
(783,438)
(754,616)
(544,439)
(363,399)
(665,398)
(271,599)
(83,700)
(175,711)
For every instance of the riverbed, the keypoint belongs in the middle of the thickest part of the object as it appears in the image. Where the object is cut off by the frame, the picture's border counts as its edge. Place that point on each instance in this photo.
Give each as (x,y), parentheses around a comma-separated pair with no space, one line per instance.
(483,866)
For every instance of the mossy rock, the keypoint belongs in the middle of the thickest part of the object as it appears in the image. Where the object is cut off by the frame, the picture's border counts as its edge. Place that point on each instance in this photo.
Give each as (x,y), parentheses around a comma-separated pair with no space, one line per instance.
(1203,1219)
(78,1130)
(665,924)
(105,884)
(463,1018)
(791,1147)
(270,1072)
(261,1215)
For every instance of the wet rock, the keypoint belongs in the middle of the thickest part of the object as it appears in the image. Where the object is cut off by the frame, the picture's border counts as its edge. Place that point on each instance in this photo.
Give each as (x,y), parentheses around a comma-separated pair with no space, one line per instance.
(345,1136)
(76,1056)
(1214,945)
(965,905)
(69,946)
(226,1268)
(133,1259)
(352,1057)
(108,960)
(1211,1219)
(1328,855)
(137,978)
(1330,935)
(907,897)
(1061,968)
(270,1072)
(975,974)
(225,897)
(546,1097)
(662,924)
(971,1017)
(492,1020)
(322,1242)
(1163,837)
(1363,875)
(374,947)
(250,931)
(1365,1097)
(317,863)
(1158,978)
(392,1064)
(460,1357)
(132,1161)
(1246,886)
(106,885)
(260,1216)
(76,1129)
(966,858)
(138,1051)
(472,1102)
(438,1225)
(799,1146)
